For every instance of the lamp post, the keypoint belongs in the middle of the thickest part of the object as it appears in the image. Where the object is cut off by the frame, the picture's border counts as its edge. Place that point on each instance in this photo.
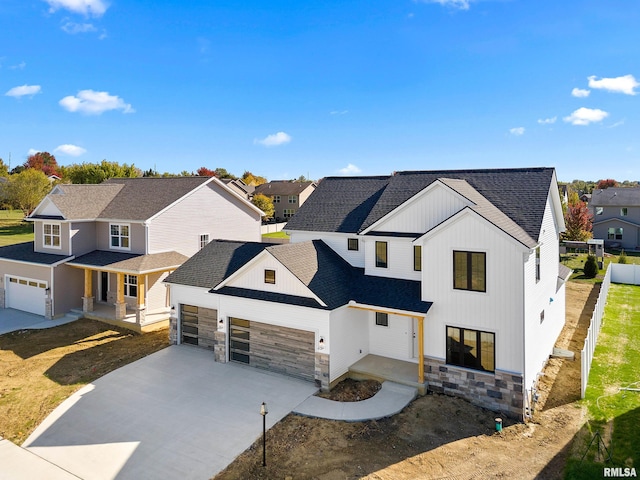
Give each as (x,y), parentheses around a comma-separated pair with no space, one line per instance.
(263,412)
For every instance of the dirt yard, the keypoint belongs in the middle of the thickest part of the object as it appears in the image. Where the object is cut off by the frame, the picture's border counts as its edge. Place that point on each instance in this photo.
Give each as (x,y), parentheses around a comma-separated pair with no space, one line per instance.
(437,436)
(41,368)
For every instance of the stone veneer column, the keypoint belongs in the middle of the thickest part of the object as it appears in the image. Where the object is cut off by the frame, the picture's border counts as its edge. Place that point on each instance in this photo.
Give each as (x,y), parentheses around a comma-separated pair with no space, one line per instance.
(173,328)
(220,346)
(2,298)
(141,315)
(322,371)
(48,308)
(121,310)
(87,304)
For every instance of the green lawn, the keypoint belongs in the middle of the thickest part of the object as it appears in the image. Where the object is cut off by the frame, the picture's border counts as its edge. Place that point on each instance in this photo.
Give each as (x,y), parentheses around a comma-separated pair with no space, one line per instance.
(279,234)
(575,261)
(13,229)
(616,366)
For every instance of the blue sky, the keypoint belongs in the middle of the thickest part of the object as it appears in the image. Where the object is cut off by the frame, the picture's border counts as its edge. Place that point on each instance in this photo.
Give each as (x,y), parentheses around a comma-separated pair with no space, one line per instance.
(285,88)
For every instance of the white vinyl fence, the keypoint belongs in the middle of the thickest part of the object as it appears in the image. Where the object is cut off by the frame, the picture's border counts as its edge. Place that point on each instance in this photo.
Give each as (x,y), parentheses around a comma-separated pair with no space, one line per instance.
(616,273)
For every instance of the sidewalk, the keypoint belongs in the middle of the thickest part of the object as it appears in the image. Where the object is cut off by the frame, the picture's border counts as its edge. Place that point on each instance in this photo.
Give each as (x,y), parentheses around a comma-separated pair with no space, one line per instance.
(12,320)
(391,399)
(17,463)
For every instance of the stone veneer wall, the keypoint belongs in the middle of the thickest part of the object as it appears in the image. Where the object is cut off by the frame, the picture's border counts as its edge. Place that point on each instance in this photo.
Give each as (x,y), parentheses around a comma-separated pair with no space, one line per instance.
(500,391)
(220,346)
(2,298)
(173,329)
(322,371)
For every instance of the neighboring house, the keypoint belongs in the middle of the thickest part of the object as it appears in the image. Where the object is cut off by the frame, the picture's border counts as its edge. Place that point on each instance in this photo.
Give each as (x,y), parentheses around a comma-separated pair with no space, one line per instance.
(453,274)
(616,216)
(238,186)
(111,245)
(287,196)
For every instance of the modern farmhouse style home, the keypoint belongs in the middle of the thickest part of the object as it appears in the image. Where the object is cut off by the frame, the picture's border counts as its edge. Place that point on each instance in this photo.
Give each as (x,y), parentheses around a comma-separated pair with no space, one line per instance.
(107,248)
(451,276)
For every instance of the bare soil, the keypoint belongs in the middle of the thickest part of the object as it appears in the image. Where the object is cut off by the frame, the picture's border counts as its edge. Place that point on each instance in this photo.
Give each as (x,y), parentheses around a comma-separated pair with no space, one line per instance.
(41,368)
(437,436)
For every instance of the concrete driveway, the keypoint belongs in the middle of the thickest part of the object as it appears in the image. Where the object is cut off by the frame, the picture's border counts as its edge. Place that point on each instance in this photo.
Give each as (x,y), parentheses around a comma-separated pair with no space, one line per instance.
(174,414)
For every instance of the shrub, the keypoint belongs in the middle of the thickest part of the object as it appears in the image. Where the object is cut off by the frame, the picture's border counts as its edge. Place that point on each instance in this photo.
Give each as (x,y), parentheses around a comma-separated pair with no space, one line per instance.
(622,258)
(590,267)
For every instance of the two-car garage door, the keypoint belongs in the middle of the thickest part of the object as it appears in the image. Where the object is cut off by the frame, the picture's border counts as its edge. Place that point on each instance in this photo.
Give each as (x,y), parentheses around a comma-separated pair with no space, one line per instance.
(25,294)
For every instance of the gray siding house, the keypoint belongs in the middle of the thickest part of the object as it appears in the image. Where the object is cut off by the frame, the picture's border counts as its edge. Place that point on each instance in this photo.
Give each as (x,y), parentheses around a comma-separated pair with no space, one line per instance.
(108,247)
(616,217)
(287,196)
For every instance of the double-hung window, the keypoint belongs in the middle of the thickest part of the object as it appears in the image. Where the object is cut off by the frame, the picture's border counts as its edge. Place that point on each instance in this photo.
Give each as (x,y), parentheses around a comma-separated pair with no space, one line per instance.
(119,236)
(204,239)
(614,234)
(130,286)
(471,349)
(51,235)
(469,271)
(293,199)
(381,254)
(276,199)
(288,212)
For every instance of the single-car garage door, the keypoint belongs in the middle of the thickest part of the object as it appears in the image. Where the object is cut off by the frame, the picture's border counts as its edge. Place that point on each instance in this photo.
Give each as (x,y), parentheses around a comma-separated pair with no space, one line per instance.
(198,326)
(278,349)
(26,294)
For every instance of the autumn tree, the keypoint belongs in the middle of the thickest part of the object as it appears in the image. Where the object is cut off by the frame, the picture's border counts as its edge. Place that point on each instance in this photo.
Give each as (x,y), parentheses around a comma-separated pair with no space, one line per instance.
(265,204)
(603,184)
(251,179)
(25,190)
(577,220)
(99,172)
(43,161)
(206,172)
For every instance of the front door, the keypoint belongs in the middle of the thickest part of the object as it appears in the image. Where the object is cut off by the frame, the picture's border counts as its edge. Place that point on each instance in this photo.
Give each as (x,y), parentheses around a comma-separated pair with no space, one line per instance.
(104,285)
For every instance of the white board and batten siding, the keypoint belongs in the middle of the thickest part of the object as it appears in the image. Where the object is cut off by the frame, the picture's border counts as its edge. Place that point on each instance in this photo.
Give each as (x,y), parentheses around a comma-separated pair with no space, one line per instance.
(498,310)
(208,210)
(399,258)
(349,339)
(338,243)
(253,278)
(394,341)
(542,295)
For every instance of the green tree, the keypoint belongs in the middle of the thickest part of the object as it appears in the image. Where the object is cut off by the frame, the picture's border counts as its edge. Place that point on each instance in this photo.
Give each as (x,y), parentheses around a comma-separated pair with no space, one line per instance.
(265,204)
(25,190)
(4,169)
(622,258)
(222,173)
(99,172)
(590,267)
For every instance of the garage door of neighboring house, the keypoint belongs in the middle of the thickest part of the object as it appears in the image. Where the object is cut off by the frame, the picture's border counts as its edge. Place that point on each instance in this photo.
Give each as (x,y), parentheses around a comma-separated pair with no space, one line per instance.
(278,349)
(26,294)
(198,325)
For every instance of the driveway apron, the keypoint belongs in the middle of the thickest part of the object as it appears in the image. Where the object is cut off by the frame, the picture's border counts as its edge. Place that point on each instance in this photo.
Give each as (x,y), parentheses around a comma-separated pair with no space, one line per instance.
(175,414)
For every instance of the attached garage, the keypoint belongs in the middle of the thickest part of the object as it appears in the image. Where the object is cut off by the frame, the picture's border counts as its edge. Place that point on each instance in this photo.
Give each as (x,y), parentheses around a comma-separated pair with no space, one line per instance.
(26,294)
(198,326)
(278,349)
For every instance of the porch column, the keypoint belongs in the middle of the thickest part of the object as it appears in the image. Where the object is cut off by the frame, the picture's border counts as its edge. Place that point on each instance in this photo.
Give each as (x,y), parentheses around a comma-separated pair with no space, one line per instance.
(420,349)
(87,299)
(141,308)
(121,307)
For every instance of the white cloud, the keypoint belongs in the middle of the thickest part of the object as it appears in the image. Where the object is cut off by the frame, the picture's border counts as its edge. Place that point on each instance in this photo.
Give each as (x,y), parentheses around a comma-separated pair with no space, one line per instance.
(69,149)
(349,170)
(517,131)
(617,124)
(23,91)
(585,116)
(547,121)
(73,28)
(19,66)
(94,103)
(95,8)
(274,140)
(459,4)
(338,112)
(33,151)
(580,92)
(625,84)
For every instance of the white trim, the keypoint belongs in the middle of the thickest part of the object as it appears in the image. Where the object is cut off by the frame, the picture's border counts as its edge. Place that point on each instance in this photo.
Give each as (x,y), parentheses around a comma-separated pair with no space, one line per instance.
(377,308)
(120,236)
(129,284)
(44,265)
(208,240)
(435,184)
(52,235)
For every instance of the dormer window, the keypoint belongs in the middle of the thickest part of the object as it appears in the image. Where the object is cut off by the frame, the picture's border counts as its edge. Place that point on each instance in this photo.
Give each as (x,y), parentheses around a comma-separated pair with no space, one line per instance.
(119,236)
(51,235)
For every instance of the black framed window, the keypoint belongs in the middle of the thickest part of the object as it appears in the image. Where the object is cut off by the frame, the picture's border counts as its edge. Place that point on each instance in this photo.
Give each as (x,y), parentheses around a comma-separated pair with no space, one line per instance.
(471,349)
(353,244)
(538,264)
(269,276)
(381,254)
(469,271)
(417,258)
(382,319)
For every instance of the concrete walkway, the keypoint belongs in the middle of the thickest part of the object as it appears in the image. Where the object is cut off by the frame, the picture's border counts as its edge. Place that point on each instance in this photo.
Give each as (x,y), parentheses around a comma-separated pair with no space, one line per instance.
(391,399)
(12,320)
(19,464)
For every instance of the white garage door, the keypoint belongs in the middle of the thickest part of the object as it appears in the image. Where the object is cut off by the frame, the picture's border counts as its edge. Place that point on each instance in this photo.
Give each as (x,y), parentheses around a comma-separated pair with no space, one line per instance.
(25,294)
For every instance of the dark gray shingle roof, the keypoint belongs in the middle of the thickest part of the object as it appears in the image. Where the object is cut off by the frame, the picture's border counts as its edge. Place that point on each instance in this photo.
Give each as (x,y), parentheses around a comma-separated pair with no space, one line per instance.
(23,252)
(615,197)
(351,204)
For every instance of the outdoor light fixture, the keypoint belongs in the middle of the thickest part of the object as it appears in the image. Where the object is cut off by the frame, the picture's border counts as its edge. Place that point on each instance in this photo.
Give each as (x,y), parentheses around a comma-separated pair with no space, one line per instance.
(321,344)
(263,412)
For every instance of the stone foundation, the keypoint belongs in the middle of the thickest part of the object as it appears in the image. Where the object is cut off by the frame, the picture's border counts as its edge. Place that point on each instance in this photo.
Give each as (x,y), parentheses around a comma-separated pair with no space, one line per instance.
(220,346)
(322,371)
(173,329)
(500,391)
(48,308)
(2,298)
(87,304)
(141,315)
(121,311)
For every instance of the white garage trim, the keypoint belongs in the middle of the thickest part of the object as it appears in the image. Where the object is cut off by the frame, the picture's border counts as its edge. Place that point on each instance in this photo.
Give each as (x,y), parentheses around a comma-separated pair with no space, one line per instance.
(26,294)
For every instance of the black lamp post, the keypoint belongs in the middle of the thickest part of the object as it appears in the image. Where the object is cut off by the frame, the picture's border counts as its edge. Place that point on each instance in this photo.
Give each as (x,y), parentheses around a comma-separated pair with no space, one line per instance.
(263,412)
